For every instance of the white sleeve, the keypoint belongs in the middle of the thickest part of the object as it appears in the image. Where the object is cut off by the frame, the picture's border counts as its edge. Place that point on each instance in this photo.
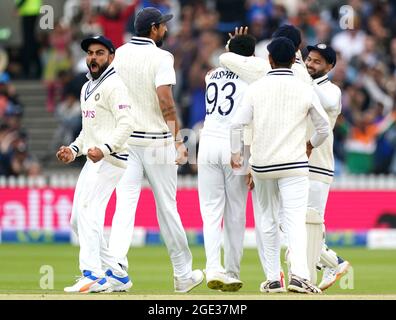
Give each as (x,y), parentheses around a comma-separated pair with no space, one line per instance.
(330,98)
(77,145)
(320,121)
(166,74)
(243,116)
(118,102)
(249,69)
(301,72)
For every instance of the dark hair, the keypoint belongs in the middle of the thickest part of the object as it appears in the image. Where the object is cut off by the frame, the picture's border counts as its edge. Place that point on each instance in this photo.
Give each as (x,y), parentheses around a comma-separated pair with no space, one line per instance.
(282,51)
(146,33)
(289,31)
(243,44)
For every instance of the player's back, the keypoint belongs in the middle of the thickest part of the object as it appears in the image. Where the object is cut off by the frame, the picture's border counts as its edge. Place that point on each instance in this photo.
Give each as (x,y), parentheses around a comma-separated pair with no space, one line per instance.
(281,102)
(224,93)
(137,63)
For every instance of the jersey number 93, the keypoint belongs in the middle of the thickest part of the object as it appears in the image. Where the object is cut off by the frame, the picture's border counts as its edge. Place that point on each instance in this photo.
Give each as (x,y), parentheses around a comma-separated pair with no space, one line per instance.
(216,99)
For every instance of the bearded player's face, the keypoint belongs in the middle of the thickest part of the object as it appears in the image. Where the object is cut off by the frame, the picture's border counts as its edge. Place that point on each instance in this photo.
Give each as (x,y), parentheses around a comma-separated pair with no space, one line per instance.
(160,34)
(317,66)
(98,59)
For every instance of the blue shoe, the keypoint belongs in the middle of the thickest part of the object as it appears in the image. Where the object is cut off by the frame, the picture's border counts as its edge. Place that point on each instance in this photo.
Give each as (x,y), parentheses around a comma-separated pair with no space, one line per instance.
(89,283)
(118,284)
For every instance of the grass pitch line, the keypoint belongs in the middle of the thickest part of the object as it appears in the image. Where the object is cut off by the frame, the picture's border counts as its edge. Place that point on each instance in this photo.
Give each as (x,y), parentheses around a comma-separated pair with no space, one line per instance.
(192,297)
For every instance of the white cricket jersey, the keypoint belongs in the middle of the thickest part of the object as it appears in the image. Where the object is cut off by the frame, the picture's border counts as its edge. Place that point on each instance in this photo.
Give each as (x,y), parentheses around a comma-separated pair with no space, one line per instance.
(253,68)
(106,118)
(224,93)
(144,67)
(279,105)
(321,161)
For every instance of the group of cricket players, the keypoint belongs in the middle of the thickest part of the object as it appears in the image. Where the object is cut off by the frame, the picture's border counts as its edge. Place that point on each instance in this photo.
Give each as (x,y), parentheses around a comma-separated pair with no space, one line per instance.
(268,130)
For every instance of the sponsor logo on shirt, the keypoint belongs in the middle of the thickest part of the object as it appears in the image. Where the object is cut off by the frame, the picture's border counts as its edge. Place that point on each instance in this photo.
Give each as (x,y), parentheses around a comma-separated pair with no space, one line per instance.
(89,113)
(124,106)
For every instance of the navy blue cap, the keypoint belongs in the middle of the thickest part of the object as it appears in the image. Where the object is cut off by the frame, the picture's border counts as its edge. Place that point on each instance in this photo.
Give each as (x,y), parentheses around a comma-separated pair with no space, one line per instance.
(282,50)
(97,39)
(148,17)
(290,32)
(325,51)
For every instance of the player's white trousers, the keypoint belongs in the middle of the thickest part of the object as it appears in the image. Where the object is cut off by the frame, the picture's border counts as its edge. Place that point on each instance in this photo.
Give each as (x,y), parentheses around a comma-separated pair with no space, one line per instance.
(158,163)
(95,185)
(318,194)
(293,191)
(222,198)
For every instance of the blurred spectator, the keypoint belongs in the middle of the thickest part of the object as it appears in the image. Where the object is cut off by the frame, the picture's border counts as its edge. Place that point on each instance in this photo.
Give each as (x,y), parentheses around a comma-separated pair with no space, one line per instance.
(68,114)
(365,132)
(58,60)
(5,151)
(22,162)
(29,11)
(232,14)
(209,48)
(114,18)
(14,155)
(350,42)
(322,32)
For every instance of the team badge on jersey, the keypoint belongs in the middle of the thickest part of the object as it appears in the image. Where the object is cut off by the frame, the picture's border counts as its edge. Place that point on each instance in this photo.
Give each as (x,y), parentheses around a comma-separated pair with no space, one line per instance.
(97,97)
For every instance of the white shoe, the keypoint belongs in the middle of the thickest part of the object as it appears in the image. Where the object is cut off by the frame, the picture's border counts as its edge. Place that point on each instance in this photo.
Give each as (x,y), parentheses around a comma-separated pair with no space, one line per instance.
(89,283)
(331,275)
(223,282)
(300,285)
(274,286)
(183,286)
(234,283)
(118,284)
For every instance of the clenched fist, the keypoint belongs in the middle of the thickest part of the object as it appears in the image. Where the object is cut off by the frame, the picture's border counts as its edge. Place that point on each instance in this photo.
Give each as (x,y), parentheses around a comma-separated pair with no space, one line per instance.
(65,154)
(95,154)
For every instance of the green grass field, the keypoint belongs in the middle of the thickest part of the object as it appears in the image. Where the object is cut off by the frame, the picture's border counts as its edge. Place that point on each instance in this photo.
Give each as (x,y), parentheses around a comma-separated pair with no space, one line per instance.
(373,273)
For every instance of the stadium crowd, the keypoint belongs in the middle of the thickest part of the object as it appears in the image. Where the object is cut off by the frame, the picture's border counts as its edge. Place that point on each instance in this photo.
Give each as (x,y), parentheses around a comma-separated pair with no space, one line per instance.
(365,133)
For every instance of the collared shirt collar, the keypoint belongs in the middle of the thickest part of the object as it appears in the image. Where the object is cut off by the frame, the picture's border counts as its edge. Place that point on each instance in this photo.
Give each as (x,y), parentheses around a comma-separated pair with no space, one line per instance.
(280,72)
(142,41)
(94,84)
(321,80)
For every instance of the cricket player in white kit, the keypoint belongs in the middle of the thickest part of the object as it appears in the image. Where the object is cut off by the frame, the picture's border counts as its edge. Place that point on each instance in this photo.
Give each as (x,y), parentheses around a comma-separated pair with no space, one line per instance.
(279,105)
(222,192)
(322,163)
(106,125)
(321,59)
(253,68)
(149,75)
